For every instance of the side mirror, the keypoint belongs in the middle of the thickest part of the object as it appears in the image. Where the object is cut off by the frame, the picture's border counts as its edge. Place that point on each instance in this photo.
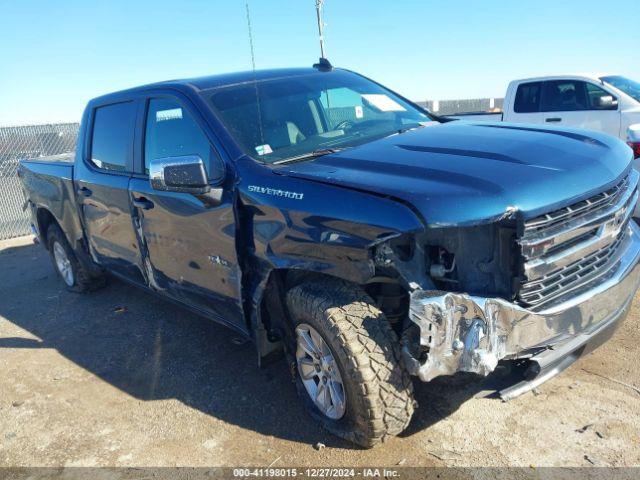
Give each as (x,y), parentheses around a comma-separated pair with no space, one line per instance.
(606,102)
(184,174)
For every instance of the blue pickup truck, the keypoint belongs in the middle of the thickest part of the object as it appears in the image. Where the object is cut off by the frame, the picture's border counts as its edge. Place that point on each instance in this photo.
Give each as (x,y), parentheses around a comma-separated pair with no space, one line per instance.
(332,220)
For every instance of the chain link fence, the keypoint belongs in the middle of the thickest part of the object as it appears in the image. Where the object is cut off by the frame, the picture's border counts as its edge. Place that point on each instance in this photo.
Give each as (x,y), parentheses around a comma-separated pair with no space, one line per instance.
(18,143)
(450,107)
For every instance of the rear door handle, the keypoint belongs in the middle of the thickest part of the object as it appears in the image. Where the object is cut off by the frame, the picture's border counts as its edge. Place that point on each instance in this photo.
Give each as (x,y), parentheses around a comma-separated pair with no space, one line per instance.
(143,203)
(85,192)
(553,120)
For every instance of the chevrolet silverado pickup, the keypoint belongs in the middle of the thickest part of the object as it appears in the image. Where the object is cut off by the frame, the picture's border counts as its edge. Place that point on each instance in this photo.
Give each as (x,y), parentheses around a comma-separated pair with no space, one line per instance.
(329,219)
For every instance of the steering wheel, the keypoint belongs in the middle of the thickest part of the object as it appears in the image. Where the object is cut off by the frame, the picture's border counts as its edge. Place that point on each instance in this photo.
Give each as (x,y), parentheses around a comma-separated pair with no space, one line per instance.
(344,125)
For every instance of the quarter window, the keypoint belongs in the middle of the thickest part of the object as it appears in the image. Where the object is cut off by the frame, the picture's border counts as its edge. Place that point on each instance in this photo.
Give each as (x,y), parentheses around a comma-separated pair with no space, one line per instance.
(172,132)
(528,98)
(113,127)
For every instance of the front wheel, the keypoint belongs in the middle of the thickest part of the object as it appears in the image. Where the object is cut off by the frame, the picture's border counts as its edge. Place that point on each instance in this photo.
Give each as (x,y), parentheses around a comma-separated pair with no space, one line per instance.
(347,363)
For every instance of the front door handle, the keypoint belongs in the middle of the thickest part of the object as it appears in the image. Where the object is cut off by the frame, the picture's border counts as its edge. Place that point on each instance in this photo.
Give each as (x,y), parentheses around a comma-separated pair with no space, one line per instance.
(553,120)
(143,203)
(85,192)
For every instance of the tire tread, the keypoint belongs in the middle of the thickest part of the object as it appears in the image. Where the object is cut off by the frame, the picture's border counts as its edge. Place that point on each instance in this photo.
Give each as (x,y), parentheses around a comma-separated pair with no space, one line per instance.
(370,351)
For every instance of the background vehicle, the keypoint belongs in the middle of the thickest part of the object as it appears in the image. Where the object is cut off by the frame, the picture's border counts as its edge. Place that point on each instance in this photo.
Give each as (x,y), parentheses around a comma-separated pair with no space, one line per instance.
(606,103)
(633,139)
(317,212)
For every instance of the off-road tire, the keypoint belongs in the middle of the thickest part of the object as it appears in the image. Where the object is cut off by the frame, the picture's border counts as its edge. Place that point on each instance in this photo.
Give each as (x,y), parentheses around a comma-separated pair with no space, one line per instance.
(379,390)
(83,281)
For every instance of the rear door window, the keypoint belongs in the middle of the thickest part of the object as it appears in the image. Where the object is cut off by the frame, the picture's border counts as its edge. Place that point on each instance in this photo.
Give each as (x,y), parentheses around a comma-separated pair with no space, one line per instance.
(528,98)
(111,141)
(564,96)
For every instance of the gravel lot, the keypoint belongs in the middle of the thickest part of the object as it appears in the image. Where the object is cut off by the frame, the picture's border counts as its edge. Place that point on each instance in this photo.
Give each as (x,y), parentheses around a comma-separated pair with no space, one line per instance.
(121,377)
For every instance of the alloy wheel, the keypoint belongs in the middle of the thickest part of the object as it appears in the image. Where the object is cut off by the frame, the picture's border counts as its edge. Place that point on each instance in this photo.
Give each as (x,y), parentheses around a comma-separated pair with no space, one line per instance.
(63,264)
(319,372)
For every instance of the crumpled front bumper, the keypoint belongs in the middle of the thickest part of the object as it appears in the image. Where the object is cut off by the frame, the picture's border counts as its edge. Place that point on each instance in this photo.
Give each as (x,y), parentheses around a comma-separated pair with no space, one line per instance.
(467,333)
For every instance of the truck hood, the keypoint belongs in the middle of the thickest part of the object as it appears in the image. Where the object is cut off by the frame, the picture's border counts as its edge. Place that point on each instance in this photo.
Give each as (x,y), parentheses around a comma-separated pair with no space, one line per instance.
(460,173)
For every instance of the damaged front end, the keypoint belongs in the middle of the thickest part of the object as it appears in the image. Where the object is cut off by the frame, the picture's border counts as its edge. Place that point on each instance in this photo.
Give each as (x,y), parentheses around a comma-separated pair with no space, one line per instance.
(447,330)
(454,332)
(541,291)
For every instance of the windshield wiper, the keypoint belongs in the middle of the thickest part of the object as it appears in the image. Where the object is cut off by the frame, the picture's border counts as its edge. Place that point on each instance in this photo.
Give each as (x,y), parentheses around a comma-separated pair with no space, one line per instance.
(313,154)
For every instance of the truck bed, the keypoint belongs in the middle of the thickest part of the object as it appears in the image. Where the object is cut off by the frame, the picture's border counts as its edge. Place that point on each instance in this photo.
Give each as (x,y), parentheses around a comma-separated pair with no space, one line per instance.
(48,183)
(68,157)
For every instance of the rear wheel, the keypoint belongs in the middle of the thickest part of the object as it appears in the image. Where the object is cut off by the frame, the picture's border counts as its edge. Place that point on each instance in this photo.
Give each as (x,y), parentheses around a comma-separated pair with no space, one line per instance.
(347,362)
(73,274)
(63,264)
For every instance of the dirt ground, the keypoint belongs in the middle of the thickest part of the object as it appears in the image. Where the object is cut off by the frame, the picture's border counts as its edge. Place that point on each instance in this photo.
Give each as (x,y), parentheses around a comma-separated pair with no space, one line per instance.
(122,378)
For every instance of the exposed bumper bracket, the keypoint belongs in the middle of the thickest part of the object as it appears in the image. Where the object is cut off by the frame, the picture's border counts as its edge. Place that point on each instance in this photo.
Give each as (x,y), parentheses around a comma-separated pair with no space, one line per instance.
(467,333)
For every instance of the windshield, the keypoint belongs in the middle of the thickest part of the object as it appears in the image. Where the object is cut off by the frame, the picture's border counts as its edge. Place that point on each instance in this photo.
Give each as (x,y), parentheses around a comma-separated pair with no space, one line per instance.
(302,116)
(626,85)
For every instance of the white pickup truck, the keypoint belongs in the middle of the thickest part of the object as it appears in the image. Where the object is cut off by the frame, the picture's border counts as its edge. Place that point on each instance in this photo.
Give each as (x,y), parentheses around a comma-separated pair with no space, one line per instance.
(607,103)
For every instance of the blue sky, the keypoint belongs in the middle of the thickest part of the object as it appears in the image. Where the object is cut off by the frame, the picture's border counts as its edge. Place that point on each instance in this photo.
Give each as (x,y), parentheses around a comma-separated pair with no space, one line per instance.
(56,55)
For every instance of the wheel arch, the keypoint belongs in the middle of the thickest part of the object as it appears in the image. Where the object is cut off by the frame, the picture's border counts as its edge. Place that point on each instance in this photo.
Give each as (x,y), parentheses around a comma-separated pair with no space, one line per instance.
(270,320)
(44,219)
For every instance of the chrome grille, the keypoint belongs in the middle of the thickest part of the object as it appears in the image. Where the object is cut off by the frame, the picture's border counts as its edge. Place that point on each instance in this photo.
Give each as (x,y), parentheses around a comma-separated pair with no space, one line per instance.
(562,215)
(574,247)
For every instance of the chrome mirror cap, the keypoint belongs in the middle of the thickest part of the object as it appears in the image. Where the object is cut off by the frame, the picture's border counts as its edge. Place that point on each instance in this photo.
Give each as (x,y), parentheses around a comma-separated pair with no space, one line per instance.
(185,174)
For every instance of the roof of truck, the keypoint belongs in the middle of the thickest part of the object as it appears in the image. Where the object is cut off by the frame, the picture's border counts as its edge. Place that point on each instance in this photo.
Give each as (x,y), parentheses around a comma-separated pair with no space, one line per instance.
(572,76)
(213,81)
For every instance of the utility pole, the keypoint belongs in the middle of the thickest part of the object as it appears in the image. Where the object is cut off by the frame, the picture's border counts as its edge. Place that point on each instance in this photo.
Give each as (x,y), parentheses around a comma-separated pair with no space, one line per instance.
(319,4)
